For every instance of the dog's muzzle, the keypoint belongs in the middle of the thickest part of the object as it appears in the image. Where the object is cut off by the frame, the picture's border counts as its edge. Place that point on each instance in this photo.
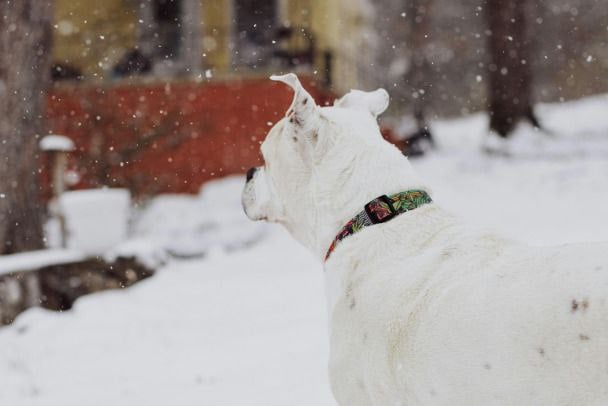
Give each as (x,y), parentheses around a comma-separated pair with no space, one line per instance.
(250,173)
(248,196)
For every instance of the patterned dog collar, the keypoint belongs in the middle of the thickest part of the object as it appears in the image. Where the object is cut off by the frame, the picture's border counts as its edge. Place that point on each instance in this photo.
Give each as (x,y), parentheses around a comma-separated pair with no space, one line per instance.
(381,210)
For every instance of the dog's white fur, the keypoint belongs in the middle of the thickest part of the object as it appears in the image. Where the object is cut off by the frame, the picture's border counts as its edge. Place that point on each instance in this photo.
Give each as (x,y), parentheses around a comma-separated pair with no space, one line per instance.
(423,309)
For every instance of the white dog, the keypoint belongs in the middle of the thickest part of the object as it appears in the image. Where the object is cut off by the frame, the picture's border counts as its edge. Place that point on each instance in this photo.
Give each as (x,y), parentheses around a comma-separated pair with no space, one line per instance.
(424,310)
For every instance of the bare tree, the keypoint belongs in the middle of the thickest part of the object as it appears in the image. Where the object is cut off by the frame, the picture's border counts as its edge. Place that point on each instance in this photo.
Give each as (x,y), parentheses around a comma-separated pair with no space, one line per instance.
(25,39)
(420,76)
(510,71)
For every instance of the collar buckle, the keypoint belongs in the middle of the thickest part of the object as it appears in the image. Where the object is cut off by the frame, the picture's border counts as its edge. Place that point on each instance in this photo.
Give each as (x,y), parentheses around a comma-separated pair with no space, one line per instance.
(380,209)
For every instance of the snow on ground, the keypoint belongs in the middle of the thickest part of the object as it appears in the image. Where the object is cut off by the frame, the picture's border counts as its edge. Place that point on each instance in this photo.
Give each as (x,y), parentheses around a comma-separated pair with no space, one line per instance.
(247,325)
(186,226)
(239,329)
(552,190)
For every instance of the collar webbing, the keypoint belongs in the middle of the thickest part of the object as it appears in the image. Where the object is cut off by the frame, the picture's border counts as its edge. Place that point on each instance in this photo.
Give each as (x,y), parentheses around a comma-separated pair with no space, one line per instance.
(380,210)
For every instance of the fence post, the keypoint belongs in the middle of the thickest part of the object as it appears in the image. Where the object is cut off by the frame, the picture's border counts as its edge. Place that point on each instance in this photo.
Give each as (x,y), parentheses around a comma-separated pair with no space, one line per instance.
(58,146)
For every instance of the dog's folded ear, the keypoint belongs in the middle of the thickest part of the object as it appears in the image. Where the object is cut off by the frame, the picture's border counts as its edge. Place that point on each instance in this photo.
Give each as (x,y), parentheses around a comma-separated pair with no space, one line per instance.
(375,102)
(304,112)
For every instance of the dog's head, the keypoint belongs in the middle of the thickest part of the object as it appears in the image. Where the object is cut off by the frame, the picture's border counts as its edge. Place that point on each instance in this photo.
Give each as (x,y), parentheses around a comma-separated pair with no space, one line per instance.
(321,164)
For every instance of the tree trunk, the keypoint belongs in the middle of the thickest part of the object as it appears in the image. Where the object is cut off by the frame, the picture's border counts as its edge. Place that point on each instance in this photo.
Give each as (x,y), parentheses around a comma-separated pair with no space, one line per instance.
(419,78)
(509,69)
(25,39)
(420,74)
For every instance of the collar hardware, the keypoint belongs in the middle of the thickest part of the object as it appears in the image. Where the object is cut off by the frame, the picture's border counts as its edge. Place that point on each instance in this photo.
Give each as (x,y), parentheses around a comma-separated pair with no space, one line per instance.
(380,209)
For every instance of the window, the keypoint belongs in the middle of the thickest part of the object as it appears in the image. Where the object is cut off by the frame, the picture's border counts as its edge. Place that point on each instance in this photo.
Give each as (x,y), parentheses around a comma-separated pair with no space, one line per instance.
(255,26)
(168,27)
(169,39)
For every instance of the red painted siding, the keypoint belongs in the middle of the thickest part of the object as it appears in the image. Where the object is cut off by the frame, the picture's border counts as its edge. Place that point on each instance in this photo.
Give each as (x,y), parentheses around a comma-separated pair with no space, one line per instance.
(168,137)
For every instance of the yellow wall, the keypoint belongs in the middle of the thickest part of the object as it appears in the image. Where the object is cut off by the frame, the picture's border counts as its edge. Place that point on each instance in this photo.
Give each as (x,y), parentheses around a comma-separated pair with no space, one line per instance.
(216,34)
(352,50)
(92,35)
(337,26)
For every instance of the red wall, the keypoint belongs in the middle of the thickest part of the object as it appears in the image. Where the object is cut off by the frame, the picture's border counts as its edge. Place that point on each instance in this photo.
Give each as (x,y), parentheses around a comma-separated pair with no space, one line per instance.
(194,131)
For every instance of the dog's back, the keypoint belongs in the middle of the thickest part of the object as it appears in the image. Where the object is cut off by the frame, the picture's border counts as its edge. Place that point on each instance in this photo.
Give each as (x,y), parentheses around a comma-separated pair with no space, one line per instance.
(474,319)
(530,328)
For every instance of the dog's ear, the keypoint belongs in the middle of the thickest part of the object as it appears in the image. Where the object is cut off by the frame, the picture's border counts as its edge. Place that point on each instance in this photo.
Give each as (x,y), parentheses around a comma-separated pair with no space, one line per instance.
(304,113)
(375,102)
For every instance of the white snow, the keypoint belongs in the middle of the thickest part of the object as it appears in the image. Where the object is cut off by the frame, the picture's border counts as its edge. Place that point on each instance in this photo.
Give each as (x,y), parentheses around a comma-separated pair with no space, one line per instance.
(56,143)
(144,250)
(28,261)
(241,329)
(96,219)
(187,226)
(248,326)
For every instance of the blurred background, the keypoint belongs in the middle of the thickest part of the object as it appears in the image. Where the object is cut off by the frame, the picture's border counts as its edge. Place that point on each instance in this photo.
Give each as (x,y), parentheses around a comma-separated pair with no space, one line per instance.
(126,127)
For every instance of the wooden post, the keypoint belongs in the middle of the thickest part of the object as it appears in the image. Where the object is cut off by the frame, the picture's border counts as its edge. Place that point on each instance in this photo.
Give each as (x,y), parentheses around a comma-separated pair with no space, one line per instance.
(58,147)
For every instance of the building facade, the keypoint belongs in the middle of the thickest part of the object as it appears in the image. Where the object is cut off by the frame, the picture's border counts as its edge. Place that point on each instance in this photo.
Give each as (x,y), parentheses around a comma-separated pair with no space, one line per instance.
(162,95)
(163,39)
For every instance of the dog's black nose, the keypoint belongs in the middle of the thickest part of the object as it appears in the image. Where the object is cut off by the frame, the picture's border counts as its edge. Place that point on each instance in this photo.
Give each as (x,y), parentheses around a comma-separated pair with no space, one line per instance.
(250,174)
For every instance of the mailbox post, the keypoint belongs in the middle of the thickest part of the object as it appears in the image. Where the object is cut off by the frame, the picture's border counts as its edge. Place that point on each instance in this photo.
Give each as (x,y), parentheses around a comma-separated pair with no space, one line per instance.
(58,147)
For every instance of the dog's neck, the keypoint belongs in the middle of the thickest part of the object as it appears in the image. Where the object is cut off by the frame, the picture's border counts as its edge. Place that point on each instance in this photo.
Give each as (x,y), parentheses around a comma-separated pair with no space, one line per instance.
(386,171)
(407,237)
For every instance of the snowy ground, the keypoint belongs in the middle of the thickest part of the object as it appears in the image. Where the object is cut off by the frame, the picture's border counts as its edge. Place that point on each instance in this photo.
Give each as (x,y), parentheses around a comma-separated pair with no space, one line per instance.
(247,325)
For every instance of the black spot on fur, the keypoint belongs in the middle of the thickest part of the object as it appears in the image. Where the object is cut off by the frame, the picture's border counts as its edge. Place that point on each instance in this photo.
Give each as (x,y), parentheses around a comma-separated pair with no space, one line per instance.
(541,351)
(304,101)
(487,366)
(352,304)
(294,119)
(447,253)
(350,297)
(583,337)
(582,305)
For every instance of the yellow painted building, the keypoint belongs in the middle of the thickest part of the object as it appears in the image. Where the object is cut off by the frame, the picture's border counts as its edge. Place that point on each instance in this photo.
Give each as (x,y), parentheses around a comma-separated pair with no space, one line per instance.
(107,40)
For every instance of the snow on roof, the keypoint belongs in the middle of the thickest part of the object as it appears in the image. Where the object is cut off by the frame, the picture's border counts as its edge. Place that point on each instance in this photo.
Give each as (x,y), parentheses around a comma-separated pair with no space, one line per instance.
(27,261)
(56,143)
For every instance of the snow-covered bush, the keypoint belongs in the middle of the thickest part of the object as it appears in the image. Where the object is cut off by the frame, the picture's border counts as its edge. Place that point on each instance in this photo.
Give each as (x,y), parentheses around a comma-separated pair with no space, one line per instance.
(188,226)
